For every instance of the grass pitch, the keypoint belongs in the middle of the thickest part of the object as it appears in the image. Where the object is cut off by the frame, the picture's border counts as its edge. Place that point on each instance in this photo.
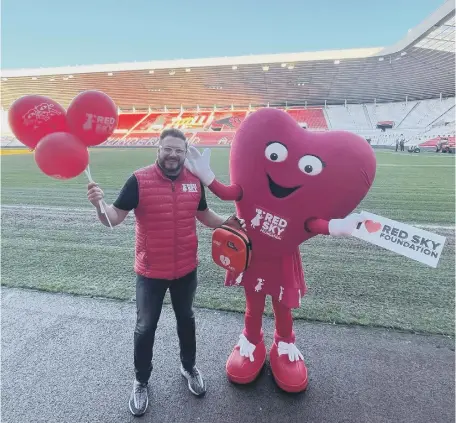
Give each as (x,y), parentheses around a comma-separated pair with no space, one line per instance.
(52,240)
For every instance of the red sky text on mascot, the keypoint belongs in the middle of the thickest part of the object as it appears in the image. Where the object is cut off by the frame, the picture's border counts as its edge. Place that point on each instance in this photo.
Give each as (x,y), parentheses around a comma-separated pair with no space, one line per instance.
(289,184)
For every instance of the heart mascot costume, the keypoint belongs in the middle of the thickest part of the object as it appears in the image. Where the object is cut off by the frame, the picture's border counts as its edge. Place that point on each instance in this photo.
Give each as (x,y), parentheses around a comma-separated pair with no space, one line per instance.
(289,184)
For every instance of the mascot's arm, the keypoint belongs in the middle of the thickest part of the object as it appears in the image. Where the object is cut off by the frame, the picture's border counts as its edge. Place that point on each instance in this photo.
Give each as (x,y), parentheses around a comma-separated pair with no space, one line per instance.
(317,226)
(198,164)
(335,227)
(226,193)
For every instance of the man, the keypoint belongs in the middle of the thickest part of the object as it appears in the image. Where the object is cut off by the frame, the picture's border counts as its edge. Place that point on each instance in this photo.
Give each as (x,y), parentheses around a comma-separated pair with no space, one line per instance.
(402,142)
(166,199)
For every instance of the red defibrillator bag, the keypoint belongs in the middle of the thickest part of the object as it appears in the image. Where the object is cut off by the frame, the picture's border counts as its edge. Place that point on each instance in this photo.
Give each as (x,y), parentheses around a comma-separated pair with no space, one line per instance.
(231,248)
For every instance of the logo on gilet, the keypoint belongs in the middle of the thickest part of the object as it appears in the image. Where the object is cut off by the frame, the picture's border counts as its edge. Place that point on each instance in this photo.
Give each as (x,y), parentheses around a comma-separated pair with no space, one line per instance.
(189,188)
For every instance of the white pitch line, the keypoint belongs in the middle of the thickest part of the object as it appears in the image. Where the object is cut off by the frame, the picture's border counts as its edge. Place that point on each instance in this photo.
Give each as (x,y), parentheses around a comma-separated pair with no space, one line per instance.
(90,210)
(47,208)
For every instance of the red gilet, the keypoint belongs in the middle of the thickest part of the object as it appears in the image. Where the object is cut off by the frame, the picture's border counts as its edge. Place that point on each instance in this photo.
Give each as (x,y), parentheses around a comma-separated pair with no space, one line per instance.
(166,240)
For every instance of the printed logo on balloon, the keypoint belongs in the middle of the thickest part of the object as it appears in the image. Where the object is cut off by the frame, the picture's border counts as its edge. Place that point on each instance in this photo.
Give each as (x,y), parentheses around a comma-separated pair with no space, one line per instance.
(92,117)
(32,117)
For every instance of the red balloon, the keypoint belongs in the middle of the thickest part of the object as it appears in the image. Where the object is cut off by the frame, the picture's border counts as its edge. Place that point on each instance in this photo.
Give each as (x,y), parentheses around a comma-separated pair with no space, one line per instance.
(92,117)
(32,117)
(61,155)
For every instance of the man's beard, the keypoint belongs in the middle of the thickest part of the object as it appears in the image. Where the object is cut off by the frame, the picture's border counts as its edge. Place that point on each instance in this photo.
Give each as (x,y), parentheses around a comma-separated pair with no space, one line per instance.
(171,166)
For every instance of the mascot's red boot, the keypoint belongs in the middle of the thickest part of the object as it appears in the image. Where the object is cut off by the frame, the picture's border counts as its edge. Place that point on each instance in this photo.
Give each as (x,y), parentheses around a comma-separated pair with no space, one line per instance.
(246,361)
(288,367)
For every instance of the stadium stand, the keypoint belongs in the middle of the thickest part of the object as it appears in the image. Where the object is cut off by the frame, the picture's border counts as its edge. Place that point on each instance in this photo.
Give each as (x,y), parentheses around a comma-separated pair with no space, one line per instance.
(433,143)
(227,121)
(127,121)
(379,93)
(352,117)
(154,121)
(427,112)
(311,118)
(389,112)
(193,120)
(417,121)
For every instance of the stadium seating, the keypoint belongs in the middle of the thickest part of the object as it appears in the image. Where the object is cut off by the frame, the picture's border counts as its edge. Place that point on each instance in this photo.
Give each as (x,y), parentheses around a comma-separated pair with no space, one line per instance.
(228,120)
(7,141)
(433,142)
(352,117)
(128,120)
(155,121)
(314,118)
(394,112)
(10,141)
(419,121)
(427,112)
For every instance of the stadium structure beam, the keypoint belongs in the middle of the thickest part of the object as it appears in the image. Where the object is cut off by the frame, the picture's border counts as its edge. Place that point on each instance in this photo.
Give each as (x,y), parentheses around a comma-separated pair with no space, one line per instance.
(437,18)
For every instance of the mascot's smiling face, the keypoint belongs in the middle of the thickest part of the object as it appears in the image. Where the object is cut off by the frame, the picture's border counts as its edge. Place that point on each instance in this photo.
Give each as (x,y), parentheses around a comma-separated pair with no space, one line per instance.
(277,152)
(296,173)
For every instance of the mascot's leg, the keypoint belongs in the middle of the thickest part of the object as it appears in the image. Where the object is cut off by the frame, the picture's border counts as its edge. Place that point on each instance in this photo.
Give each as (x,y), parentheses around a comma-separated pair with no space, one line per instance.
(249,355)
(287,363)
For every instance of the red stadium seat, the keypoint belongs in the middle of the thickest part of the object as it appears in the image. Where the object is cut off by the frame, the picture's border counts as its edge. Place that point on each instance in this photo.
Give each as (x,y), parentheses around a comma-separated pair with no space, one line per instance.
(433,142)
(128,120)
(227,121)
(314,118)
(157,121)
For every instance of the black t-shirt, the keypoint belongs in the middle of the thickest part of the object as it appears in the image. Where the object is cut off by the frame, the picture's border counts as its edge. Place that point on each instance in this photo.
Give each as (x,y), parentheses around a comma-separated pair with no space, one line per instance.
(128,198)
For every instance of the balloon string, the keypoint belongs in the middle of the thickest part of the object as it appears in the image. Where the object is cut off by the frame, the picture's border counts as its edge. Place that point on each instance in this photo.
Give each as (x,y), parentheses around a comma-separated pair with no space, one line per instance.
(103,211)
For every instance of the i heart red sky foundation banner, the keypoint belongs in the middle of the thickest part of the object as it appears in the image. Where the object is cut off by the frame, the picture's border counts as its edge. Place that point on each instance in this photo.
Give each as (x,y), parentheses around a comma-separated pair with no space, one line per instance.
(417,244)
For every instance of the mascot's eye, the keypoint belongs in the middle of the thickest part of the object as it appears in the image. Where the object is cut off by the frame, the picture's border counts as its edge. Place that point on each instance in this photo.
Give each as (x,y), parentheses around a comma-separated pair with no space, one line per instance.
(276,152)
(311,165)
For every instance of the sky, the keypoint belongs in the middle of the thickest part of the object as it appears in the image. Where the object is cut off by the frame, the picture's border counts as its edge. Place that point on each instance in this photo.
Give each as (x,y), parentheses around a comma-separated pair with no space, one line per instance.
(48,33)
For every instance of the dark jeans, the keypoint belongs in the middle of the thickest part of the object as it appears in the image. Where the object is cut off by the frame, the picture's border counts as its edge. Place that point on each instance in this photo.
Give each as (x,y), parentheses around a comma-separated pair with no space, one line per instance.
(149,300)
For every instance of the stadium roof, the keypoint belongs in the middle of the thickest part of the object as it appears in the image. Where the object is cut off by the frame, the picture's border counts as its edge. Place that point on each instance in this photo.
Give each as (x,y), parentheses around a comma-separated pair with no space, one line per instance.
(420,66)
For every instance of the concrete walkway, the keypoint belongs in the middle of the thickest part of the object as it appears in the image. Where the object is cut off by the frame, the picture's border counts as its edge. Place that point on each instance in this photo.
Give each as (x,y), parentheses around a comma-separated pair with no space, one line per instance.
(69,359)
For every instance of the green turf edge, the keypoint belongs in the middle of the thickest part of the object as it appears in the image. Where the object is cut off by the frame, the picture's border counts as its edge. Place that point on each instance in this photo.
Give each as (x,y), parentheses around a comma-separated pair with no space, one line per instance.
(237,310)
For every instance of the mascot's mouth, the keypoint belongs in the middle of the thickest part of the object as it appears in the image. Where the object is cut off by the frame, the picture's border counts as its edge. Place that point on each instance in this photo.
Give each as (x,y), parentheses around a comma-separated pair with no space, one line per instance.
(279,191)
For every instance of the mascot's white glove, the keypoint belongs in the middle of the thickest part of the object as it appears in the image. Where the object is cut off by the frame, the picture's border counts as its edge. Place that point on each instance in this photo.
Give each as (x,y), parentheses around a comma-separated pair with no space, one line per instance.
(346,226)
(198,164)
